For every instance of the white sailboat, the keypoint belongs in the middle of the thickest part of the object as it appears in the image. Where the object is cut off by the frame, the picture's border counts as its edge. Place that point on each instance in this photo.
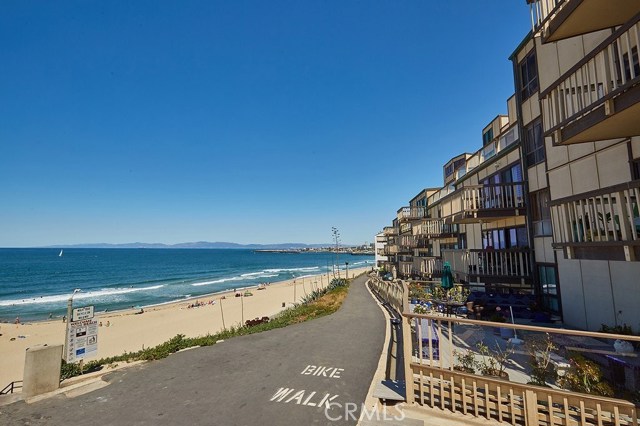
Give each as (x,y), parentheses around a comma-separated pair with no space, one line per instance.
(60,255)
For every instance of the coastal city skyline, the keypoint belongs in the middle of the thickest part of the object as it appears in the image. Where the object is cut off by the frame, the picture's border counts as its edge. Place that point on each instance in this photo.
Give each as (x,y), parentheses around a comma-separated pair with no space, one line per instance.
(244,121)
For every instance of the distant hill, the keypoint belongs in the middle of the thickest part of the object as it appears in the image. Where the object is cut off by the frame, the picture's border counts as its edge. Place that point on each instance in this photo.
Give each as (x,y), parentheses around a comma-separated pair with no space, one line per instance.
(197,245)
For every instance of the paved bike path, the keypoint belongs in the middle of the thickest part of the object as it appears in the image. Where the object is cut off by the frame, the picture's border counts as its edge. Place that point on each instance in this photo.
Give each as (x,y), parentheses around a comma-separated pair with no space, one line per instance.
(280,377)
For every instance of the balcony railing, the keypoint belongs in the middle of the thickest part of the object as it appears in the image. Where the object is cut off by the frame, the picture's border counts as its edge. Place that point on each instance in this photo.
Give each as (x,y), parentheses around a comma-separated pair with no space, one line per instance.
(390,230)
(594,87)
(390,250)
(435,228)
(445,366)
(412,213)
(602,224)
(494,201)
(555,20)
(542,11)
(477,264)
(405,227)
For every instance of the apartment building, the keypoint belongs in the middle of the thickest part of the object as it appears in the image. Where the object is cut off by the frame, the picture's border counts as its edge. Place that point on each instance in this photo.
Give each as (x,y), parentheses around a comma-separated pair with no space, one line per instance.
(550,203)
(477,221)
(379,245)
(577,81)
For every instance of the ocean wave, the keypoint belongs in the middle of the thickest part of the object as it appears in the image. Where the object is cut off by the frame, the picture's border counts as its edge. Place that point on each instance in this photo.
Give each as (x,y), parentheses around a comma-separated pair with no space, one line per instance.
(243,277)
(83,295)
(305,269)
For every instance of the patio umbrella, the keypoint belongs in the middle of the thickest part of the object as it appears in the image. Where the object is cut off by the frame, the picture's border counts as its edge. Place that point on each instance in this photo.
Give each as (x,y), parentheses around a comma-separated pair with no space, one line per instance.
(447,276)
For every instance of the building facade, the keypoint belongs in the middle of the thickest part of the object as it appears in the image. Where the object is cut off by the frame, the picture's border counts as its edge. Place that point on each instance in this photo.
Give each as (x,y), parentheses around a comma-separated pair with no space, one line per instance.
(549,204)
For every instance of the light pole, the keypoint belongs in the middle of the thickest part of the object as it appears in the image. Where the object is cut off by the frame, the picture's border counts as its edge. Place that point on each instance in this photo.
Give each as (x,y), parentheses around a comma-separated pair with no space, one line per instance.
(347,266)
(336,238)
(222,314)
(66,331)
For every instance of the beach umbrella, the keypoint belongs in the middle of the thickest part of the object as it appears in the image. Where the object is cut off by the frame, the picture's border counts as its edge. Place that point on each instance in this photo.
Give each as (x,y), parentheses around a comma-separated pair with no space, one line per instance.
(447,277)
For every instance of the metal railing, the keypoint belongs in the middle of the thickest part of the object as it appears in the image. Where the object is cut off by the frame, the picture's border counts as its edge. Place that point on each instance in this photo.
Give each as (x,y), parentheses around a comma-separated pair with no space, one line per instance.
(609,70)
(11,387)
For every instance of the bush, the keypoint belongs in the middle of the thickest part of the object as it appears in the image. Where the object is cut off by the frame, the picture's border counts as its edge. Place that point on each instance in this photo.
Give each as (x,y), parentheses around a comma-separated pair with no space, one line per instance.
(585,376)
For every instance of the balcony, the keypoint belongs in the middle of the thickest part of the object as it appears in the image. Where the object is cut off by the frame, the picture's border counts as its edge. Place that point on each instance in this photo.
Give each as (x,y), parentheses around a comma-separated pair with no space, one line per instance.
(390,250)
(405,228)
(435,228)
(489,202)
(602,224)
(599,97)
(412,213)
(508,266)
(559,19)
(390,231)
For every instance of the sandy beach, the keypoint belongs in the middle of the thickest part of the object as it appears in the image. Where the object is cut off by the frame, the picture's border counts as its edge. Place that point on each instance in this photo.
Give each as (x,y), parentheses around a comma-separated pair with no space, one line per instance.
(128,331)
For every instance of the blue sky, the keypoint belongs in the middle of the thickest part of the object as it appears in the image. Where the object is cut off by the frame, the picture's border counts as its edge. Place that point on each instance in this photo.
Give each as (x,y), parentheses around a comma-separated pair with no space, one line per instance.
(245,121)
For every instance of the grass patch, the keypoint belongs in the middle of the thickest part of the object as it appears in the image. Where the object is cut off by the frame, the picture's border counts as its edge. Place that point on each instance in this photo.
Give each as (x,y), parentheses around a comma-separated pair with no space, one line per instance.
(317,304)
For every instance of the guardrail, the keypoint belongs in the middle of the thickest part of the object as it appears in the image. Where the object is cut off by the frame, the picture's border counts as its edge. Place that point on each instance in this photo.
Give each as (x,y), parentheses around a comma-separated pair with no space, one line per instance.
(442,354)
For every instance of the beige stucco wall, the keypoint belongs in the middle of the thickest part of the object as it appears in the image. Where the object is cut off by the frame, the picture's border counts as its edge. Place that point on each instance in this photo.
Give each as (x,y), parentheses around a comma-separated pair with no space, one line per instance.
(596,292)
(554,59)
(586,168)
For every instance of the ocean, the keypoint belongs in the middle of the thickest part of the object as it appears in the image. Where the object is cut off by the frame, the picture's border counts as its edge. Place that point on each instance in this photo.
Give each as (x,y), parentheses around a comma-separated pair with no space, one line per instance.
(35,283)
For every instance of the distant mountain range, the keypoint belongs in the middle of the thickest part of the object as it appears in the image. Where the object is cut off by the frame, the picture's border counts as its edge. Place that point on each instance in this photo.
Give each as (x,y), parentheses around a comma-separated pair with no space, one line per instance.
(198,245)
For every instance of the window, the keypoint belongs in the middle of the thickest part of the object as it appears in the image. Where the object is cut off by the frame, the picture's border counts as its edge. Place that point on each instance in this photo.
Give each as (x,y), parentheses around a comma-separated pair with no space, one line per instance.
(448,171)
(534,144)
(635,169)
(505,238)
(487,137)
(549,287)
(462,241)
(541,213)
(528,76)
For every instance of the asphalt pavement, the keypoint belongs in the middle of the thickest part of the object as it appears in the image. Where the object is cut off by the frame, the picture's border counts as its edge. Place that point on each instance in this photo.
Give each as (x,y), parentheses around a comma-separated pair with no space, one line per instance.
(313,373)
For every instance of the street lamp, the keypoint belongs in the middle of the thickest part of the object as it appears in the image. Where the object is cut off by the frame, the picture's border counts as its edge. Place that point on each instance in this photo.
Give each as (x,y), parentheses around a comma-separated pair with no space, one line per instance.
(69,313)
(347,266)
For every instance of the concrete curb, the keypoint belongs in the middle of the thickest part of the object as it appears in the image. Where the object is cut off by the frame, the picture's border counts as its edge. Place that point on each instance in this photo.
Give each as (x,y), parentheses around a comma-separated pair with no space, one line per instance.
(379,375)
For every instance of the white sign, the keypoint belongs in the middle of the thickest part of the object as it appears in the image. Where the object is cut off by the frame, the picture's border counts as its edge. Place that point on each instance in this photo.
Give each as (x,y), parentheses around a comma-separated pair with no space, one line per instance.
(82,340)
(80,314)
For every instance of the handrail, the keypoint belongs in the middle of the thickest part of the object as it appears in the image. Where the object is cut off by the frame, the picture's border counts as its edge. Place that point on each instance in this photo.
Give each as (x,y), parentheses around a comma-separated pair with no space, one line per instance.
(11,387)
(537,328)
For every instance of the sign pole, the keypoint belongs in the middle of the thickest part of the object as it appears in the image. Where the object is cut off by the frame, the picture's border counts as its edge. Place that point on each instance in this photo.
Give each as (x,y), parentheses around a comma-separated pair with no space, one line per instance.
(65,355)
